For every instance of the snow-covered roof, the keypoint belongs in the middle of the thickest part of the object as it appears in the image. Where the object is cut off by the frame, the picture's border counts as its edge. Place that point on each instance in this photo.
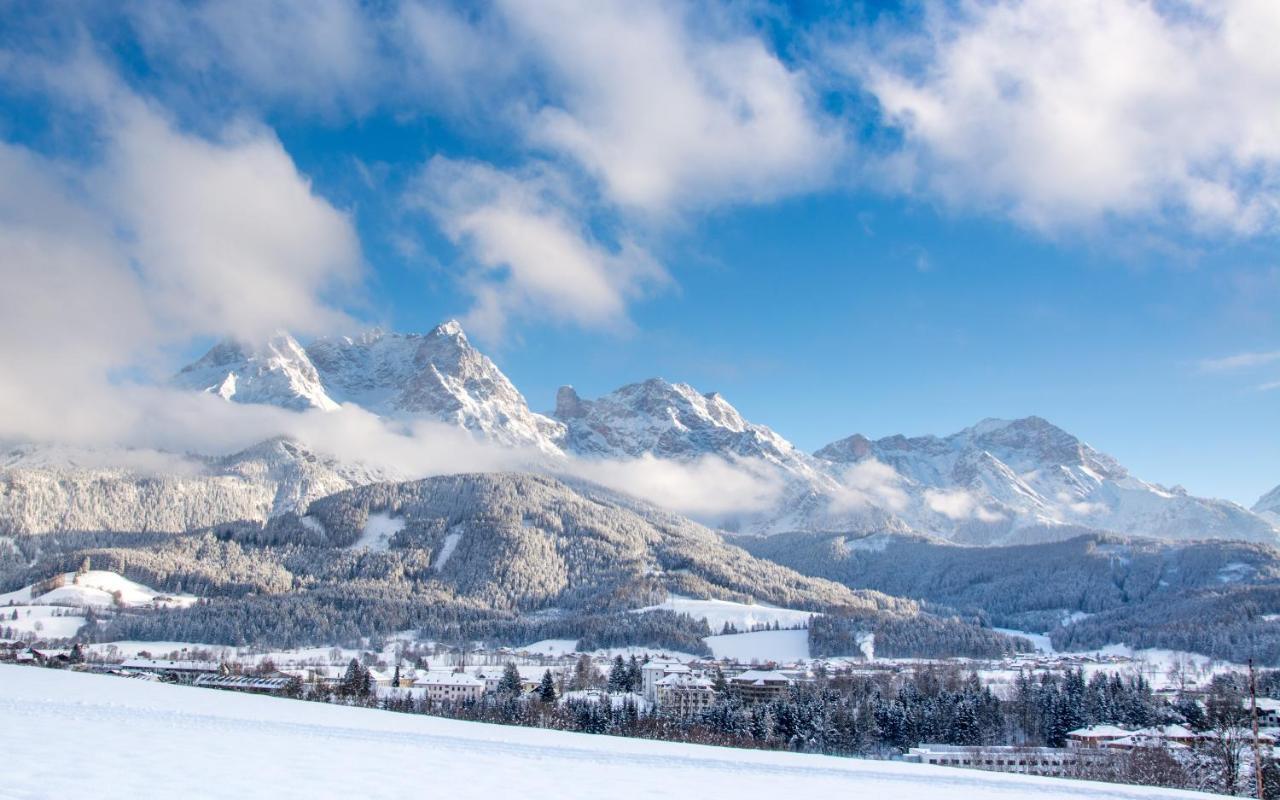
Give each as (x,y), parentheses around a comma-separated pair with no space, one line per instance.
(167,665)
(1099,732)
(452,679)
(760,677)
(685,680)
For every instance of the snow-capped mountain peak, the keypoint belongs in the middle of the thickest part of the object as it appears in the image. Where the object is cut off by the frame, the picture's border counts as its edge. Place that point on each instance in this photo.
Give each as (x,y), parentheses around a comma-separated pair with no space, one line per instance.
(671,420)
(276,372)
(1006,480)
(438,375)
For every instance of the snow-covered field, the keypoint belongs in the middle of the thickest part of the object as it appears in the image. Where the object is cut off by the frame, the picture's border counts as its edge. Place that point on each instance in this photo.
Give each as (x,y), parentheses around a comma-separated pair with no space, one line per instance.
(741,615)
(67,734)
(781,646)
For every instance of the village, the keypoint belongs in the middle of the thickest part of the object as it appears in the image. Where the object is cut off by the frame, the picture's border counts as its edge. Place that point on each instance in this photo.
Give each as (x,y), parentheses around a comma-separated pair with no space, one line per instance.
(438,678)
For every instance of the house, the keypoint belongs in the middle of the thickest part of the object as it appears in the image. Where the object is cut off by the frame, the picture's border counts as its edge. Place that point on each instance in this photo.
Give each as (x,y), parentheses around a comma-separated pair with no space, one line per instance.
(1268,712)
(683,693)
(760,686)
(1095,735)
(452,687)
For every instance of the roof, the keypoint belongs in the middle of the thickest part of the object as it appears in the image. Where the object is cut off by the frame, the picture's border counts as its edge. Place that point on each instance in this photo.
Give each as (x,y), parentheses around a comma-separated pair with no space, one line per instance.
(242,682)
(685,680)
(761,677)
(453,679)
(164,664)
(1099,731)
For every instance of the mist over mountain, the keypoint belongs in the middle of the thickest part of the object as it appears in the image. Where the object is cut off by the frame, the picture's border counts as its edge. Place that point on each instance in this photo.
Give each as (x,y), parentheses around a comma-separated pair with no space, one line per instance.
(997,482)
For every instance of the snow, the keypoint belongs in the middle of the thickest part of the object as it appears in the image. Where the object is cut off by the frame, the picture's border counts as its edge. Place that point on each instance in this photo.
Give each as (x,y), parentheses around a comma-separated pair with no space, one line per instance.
(97,588)
(783,647)
(563,647)
(378,530)
(446,550)
(42,622)
(125,738)
(1039,640)
(741,615)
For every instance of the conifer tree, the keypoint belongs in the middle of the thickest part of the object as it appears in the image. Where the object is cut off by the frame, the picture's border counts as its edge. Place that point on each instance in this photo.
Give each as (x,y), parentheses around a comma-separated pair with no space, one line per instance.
(547,688)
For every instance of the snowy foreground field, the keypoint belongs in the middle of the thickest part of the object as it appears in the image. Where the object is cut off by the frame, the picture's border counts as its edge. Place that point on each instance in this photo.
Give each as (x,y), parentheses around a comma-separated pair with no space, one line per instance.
(66,734)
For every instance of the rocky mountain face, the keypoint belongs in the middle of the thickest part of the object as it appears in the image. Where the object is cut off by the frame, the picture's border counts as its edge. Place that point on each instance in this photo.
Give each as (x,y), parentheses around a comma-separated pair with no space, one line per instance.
(1025,480)
(438,376)
(675,421)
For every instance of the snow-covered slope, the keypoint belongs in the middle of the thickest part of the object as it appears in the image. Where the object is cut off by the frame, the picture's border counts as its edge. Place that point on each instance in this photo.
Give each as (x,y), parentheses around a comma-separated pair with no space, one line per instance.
(438,376)
(129,739)
(674,420)
(1007,481)
(92,589)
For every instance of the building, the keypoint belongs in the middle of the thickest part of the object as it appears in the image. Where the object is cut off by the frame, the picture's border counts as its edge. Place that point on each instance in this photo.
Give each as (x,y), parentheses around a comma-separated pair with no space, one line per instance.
(1268,712)
(654,671)
(453,687)
(255,684)
(1051,761)
(760,686)
(1095,735)
(683,693)
(186,671)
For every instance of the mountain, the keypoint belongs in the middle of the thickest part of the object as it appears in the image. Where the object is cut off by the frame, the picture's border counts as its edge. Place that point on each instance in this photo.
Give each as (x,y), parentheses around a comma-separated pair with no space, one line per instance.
(1218,598)
(1268,506)
(438,376)
(507,557)
(675,421)
(43,492)
(278,372)
(1006,481)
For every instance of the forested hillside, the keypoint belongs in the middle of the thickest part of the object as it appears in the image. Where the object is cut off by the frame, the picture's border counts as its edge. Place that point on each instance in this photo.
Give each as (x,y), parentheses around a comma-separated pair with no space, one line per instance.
(1213,597)
(508,557)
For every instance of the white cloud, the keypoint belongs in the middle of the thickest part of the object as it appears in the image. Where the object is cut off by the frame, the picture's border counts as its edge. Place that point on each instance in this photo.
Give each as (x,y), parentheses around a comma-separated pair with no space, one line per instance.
(1239,361)
(321,54)
(953,504)
(670,112)
(706,487)
(1070,114)
(229,237)
(164,237)
(870,483)
(533,255)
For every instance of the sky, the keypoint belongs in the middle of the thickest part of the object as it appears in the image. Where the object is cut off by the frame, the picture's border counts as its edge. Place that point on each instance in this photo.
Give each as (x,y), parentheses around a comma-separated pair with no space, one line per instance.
(878,218)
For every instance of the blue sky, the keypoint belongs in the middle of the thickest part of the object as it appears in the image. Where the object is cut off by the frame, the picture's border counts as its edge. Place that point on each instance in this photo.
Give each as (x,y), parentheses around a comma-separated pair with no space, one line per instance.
(876,221)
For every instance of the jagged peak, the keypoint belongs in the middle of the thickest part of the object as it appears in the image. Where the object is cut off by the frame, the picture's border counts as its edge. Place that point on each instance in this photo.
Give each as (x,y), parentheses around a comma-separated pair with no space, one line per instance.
(451,328)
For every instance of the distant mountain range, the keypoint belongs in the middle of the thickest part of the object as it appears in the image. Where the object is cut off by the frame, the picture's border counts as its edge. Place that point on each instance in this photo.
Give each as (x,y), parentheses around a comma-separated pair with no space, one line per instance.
(998,482)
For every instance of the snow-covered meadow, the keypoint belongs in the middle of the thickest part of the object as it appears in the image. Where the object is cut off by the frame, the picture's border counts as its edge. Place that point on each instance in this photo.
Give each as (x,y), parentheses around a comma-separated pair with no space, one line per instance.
(66,734)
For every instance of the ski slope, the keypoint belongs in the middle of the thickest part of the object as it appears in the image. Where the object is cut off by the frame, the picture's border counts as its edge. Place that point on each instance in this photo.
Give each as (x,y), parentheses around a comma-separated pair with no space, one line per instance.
(65,734)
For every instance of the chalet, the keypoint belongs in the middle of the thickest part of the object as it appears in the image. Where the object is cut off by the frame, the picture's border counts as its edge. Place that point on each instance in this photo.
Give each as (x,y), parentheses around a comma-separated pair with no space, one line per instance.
(1268,712)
